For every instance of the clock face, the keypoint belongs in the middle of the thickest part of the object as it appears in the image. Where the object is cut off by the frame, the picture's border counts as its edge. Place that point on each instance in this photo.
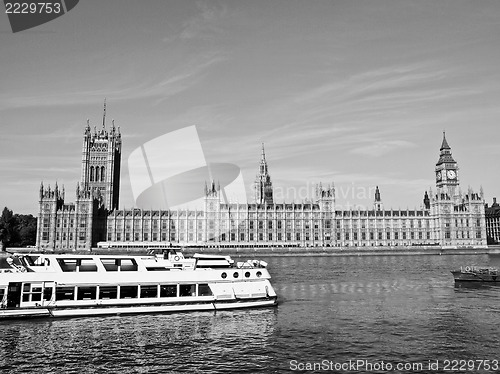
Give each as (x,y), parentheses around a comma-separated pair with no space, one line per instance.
(451,174)
(438,176)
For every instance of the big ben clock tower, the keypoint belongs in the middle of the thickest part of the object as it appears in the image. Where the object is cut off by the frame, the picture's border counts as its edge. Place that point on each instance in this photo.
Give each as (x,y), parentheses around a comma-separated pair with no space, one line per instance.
(446,170)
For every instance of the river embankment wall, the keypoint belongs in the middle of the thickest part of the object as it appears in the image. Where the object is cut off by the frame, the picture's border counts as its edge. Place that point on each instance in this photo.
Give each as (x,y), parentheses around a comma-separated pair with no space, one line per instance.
(293,251)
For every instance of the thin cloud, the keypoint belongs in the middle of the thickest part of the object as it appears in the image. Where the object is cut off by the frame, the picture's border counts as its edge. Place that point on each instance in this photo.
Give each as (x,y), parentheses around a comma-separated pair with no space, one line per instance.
(381,147)
(204,25)
(174,82)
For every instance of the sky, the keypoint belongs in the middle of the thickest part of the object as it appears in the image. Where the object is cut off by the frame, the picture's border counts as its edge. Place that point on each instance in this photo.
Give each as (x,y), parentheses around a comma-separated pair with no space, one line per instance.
(357,93)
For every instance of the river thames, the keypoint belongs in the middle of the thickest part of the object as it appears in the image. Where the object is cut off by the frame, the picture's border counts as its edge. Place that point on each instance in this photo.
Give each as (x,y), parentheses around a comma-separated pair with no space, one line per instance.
(340,314)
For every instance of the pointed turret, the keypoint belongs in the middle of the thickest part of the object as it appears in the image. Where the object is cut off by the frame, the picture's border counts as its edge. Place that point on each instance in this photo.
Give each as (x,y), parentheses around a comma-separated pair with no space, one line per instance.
(427,201)
(377,195)
(263,184)
(377,203)
(87,128)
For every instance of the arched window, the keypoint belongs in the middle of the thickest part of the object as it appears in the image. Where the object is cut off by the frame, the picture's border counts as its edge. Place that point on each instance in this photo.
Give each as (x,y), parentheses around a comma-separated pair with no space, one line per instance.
(91,173)
(97,173)
(102,173)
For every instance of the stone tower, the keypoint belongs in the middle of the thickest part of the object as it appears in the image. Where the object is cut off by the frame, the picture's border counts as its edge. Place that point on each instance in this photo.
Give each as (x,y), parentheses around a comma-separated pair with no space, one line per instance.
(212,211)
(101,161)
(263,184)
(50,203)
(446,171)
(325,198)
(458,218)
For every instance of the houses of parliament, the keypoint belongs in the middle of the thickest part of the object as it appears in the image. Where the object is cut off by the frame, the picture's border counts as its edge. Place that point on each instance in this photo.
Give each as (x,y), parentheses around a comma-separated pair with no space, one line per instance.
(448,217)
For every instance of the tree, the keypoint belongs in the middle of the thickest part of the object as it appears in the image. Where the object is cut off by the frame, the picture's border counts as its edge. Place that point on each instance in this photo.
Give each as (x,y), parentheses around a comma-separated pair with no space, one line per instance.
(24,230)
(17,230)
(6,228)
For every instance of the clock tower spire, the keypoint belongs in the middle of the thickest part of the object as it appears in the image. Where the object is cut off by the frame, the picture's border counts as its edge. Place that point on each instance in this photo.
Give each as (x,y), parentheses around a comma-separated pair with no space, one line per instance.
(446,169)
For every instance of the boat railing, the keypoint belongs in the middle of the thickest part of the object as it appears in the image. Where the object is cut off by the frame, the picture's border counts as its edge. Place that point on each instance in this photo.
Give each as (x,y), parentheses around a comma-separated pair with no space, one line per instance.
(251,264)
(18,268)
(478,269)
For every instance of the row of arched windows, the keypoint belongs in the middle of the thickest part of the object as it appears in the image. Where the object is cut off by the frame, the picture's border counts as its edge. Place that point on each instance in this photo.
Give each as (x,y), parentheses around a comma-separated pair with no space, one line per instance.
(97,174)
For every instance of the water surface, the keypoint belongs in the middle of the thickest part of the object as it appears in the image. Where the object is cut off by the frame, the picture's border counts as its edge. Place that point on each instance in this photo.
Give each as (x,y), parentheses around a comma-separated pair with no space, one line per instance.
(396,309)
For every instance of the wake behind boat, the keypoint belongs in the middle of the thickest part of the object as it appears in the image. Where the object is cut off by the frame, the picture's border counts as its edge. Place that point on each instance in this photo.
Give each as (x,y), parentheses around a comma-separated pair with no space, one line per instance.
(476,274)
(64,285)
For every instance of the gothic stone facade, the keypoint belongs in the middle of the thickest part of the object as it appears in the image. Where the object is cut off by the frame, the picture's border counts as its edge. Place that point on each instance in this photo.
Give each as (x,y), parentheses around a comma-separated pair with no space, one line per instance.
(80,225)
(447,217)
(493,222)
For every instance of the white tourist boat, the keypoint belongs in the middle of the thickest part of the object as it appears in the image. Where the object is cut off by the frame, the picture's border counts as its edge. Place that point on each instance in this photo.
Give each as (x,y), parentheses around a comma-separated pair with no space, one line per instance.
(64,285)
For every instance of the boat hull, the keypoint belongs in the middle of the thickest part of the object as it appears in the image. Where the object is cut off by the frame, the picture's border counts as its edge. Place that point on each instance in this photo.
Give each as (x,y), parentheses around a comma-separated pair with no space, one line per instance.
(78,311)
(474,277)
(51,285)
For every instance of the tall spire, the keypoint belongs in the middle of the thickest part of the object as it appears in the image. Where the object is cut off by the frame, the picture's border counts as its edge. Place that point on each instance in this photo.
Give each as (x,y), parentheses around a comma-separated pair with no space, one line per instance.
(263,184)
(445,152)
(444,145)
(263,163)
(104,115)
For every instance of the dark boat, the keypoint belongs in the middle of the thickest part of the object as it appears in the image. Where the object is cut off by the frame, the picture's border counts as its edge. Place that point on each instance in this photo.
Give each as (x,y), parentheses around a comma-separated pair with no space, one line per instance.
(476,274)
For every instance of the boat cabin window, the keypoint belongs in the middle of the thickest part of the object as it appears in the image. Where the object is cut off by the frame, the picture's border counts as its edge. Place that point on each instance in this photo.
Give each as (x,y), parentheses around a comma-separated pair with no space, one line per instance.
(128,264)
(67,265)
(149,291)
(37,261)
(168,290)
(87,264)
(157,268)
(77,264)
(204,290)
(128,292)
(65,293)
(47,293)
(32,292)
(86,293)
(108,292)
(187,290)
(110,264)
(2,293)
(119,264)
(27,260)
